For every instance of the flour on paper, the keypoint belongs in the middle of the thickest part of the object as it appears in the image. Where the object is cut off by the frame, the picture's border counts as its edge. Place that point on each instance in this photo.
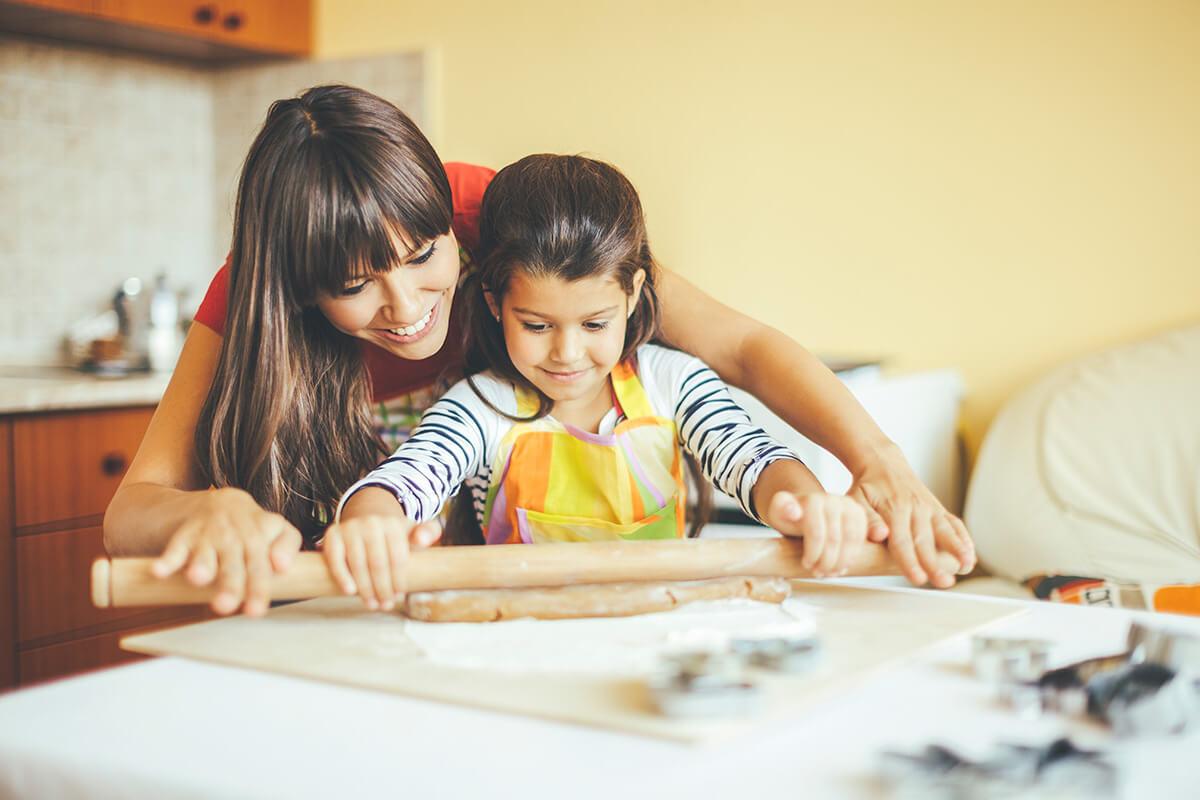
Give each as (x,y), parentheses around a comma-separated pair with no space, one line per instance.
(621,647)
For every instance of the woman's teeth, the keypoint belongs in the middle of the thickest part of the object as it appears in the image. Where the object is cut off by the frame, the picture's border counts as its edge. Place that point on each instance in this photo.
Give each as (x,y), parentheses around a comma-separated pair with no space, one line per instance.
(415,328)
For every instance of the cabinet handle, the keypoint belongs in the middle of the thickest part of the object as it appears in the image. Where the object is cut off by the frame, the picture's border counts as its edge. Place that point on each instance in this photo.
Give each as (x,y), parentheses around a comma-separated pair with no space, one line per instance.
(233,21)
(205,14)
(113,464)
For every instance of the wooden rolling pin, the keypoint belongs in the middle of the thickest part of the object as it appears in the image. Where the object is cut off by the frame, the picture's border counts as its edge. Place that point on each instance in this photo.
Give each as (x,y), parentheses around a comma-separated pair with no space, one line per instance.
(123,582)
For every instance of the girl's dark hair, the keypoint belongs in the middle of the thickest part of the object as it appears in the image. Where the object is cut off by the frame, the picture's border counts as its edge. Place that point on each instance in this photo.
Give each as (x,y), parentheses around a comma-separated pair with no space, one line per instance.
(569,217)
(331,178)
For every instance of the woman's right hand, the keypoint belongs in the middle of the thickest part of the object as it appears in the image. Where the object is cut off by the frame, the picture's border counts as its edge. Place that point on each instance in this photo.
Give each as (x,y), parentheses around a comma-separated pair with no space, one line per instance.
(233,543)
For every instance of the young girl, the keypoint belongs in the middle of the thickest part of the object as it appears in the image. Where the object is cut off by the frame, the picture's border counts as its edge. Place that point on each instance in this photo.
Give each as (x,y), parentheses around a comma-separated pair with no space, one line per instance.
(574,431)
(268,415)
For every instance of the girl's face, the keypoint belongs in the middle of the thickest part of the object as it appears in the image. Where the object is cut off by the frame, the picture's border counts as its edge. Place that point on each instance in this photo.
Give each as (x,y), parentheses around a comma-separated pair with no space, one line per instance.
(565,337)
(406,310)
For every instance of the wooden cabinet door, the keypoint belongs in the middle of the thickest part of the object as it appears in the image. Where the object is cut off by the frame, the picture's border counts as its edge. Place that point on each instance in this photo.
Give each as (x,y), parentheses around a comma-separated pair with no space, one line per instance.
(68,466)
(8,583)
(195,18)
(54,584)
(71,658)
(273,26)
(63,467)
(269,26)
(59,631)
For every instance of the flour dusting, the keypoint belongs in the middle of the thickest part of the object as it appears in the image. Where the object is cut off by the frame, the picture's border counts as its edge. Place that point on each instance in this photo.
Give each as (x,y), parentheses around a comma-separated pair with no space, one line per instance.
(621,647)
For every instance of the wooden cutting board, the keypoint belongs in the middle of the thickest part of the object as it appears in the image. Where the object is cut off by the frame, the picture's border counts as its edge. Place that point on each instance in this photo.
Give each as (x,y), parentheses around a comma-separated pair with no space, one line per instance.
(334,639)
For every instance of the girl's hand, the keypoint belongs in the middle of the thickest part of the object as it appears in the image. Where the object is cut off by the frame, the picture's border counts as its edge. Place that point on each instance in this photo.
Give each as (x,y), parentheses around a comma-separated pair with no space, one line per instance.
(231,541)
(833,528)
(368,554)
(915,525)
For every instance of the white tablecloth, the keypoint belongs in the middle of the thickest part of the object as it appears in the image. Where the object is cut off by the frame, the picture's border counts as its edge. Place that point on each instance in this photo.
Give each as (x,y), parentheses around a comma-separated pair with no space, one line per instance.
(174,728)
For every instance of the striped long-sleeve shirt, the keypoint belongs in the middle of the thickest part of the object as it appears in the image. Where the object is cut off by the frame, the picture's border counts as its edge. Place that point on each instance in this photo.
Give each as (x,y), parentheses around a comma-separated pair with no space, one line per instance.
(457,440)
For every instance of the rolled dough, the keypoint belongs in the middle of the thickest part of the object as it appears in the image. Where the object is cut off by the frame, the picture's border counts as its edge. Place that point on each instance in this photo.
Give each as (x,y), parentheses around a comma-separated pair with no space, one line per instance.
(592,600)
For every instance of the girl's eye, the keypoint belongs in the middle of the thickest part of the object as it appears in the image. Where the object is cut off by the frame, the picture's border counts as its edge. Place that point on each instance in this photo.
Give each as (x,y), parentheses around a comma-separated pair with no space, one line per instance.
(355,289)
(595,326)
(428,254)
(535,327)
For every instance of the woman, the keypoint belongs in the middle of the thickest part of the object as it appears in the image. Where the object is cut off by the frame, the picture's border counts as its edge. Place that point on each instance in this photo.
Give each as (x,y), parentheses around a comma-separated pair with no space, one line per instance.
(348,227)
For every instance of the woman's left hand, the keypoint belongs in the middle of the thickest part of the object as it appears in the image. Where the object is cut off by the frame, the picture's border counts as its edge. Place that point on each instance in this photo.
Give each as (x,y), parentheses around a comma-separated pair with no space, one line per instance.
(916,526)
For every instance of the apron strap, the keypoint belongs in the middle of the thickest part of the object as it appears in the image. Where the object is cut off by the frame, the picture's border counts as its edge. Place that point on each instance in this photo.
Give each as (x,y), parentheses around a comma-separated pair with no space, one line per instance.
(627,389)
(628,395)
(527,401)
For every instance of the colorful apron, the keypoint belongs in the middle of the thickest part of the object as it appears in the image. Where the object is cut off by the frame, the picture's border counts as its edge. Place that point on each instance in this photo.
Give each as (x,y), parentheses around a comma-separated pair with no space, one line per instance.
(553,482)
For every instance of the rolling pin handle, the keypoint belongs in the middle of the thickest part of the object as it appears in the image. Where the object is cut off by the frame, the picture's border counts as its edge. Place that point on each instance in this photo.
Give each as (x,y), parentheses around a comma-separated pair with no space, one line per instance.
(102,583)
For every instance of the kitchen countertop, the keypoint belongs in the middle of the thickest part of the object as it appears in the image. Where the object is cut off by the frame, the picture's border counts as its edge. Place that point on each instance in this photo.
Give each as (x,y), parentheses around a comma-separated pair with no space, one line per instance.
(31,389)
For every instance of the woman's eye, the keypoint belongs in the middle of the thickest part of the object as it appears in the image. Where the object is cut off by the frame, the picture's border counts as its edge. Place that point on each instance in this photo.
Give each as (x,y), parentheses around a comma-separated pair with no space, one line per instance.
(355,289)
(535,327)
(428,254)
(595,326)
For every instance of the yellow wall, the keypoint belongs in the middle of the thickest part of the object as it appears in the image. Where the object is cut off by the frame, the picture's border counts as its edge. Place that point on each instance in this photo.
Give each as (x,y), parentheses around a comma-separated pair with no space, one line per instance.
(995,186)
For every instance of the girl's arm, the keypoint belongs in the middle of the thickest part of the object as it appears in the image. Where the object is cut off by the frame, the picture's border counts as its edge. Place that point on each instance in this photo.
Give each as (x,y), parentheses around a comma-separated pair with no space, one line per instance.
(444,450)
(731,451)
(801,390)
(833,527)
(367,548)
(163,506)
(393,509)
(764,476)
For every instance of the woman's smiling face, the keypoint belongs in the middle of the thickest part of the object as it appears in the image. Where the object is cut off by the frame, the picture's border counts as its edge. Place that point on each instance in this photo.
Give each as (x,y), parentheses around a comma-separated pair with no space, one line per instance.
(405,310)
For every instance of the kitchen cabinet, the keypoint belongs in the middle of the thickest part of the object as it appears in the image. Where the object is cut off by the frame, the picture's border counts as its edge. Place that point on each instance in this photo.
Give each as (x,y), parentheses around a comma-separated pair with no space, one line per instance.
(220,30)
(58,472)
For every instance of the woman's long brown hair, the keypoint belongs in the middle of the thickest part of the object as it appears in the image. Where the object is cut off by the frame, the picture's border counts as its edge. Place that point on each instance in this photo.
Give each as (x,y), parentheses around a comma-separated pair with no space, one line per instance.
(331,178)
(569,217)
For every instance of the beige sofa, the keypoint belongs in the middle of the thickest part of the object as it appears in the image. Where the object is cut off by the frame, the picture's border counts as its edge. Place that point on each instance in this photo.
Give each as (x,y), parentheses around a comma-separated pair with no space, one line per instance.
(1095,470)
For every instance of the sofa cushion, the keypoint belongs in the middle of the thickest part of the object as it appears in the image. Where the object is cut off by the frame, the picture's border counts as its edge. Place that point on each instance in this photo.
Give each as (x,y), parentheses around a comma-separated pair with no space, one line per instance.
(1095,469)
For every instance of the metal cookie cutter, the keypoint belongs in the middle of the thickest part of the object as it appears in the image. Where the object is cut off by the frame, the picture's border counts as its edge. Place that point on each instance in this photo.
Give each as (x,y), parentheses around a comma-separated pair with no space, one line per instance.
(792,655)
(1023,697)
(1144,700)
(996,658)
(1136,699)
(704,684)
(1065,689)
(1179,651)
(1058,769)
(1014,667)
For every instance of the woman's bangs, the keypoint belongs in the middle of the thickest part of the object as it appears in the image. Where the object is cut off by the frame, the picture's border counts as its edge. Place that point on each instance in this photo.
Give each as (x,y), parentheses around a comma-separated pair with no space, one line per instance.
(363,218)
(415,203)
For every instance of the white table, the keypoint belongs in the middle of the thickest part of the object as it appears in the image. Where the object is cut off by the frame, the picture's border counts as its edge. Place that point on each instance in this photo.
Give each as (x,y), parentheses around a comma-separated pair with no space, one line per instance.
(174,728)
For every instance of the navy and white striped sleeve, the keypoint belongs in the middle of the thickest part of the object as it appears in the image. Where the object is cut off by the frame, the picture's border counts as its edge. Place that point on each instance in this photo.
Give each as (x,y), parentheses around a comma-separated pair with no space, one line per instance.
(445,449)
(731,450)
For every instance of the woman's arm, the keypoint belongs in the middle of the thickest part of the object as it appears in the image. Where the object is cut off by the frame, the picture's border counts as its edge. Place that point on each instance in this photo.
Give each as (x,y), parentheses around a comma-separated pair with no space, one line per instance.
(800,389)
(163,505)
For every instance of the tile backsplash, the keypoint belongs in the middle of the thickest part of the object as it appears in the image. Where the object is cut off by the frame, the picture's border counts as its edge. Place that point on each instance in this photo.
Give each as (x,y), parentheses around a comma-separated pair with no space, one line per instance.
(115,165)
(242,96)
